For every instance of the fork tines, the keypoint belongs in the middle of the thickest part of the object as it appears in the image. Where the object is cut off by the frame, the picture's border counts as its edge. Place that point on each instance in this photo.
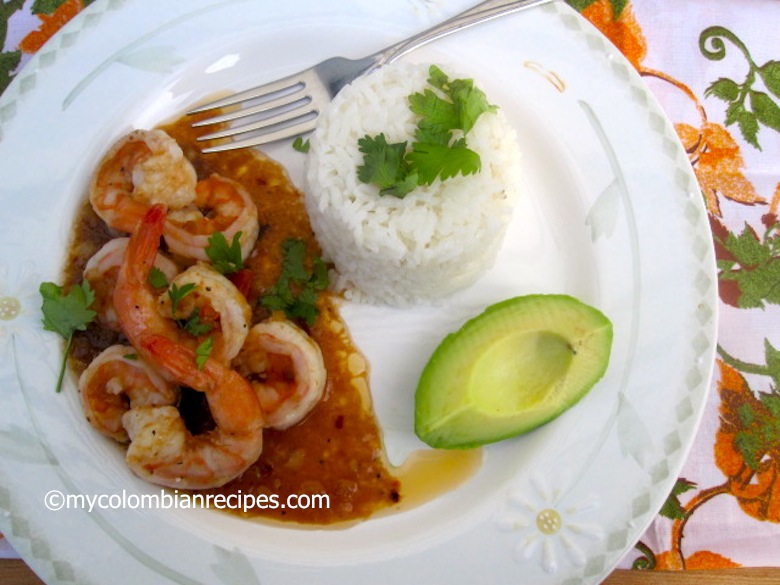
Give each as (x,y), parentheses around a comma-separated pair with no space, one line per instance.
(274,111)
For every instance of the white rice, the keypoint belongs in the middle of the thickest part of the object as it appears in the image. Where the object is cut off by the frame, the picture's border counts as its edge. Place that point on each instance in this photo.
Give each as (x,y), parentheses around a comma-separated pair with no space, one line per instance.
(439,238)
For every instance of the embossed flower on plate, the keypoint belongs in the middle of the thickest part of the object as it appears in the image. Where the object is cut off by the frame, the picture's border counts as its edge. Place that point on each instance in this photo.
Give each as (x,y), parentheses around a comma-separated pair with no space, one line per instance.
(19,302)
(550,526)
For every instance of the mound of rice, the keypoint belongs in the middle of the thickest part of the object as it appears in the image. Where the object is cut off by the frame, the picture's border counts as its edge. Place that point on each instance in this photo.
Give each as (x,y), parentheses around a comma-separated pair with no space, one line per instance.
(439,238)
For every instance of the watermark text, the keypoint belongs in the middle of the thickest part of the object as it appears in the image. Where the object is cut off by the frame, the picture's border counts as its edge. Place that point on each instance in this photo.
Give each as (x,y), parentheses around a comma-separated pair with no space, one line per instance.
(56,500)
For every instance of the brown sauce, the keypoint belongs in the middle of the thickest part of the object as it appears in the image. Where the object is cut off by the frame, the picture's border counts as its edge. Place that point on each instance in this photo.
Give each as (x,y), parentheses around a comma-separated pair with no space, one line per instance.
(337,449)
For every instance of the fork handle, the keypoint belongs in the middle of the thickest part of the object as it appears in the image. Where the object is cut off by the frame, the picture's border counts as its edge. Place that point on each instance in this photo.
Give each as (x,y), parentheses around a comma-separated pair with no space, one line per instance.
(478,14)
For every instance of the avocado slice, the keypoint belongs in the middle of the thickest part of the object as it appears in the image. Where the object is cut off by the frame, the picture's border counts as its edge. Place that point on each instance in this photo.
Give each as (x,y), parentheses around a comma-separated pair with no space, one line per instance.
(511,369)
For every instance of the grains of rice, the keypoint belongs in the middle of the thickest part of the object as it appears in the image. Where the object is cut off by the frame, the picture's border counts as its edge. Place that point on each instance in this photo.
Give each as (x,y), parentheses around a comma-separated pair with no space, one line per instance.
(439,238)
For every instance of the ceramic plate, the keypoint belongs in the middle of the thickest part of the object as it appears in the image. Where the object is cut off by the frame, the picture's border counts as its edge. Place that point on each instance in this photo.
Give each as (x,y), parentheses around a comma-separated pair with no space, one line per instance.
(612,214)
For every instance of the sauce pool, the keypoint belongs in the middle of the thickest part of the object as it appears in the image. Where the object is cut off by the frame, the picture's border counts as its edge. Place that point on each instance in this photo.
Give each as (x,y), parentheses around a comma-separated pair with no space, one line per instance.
(336,451)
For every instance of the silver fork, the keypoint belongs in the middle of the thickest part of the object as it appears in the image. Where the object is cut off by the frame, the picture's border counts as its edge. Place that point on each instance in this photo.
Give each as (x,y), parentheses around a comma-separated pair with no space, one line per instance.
(289,107)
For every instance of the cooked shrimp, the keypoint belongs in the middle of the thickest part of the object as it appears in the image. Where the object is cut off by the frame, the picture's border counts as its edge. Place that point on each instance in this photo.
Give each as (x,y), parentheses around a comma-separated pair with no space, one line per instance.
(221,205)
(164,452)
(286,369)
(215,305)
(161,449)
(135,301)
(144,168)
(117,380)
(101,271)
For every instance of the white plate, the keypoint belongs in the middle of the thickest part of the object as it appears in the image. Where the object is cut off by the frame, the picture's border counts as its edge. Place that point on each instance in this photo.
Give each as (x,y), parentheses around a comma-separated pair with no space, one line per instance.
(613,216)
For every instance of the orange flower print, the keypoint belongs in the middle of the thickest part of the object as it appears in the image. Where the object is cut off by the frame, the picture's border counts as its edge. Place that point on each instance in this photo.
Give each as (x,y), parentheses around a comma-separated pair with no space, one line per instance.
(699,560)
(50,24)
(747,445)
(720,168)
(747,451)
(623,31)
(773,209)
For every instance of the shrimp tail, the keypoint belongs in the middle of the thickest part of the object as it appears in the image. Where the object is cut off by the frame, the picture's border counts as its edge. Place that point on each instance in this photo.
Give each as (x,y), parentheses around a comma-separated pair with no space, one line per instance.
(143,251)
(233,403)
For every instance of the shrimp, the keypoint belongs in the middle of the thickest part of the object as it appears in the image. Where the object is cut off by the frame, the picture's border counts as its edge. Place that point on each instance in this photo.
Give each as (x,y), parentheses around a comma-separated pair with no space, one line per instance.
(214,304)
(116,381)
(161,449)
(164,452)
(286,368)
(135,301)
(145,167)
(101,272)
(221,205)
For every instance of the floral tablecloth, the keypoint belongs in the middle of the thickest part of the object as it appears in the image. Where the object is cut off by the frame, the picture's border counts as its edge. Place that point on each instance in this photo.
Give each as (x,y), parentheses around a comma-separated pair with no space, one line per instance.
(715,67)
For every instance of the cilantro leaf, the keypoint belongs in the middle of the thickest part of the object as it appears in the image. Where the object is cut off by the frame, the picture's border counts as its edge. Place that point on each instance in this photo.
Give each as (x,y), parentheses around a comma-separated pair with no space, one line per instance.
(203,351)
(384,164)
(434,160)
(66,313)
(296,290)
(397,168)
(437,115)
(301,145)
(157,278)
(466,101)
(194,325)
(225,258)
(470,103)
(177,293)
(403,187)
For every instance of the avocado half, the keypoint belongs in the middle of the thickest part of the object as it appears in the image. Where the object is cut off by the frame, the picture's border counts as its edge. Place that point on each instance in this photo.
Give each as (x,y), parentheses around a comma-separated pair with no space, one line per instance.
(514,367)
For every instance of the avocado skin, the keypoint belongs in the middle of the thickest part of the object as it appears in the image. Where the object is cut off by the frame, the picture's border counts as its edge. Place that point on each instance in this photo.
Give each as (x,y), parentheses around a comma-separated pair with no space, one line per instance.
(464,398)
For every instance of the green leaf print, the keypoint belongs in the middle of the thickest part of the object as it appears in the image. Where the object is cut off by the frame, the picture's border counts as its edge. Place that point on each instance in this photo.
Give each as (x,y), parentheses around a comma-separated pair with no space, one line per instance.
(752,263)
(617,6)
(770,75)
(46,6)
(672,508)
(749,107)
(759,428)
(9,60)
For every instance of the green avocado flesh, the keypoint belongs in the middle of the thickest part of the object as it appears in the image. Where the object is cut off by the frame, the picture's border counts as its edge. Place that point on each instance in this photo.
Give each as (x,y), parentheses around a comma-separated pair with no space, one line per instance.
(514,367)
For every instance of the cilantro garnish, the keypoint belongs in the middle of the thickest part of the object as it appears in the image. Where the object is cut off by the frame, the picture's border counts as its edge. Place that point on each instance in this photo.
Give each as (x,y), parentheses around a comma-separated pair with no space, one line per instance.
(301,145)
(66,313)
(177,293)
(157,278)
(194,325)
(203,351)
(226,258)
(459,110)
(295,291)
(385,166)
(439,150)
(444,162)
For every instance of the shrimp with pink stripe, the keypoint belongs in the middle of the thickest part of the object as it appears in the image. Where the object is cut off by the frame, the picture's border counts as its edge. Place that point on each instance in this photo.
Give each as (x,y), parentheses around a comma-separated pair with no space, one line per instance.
(147,167)
(161,449)
(286,368)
